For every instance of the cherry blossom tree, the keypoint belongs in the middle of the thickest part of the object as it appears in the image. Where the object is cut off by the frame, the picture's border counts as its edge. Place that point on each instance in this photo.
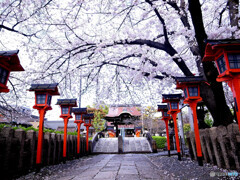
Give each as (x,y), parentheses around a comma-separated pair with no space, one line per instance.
(122,50)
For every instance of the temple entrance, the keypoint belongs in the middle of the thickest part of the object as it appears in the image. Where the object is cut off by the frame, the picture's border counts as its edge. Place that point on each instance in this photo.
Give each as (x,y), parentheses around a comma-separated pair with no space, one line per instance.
(123,119)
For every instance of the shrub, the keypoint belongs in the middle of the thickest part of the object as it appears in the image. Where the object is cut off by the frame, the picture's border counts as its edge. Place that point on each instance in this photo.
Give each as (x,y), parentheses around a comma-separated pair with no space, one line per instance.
(48,130)
(3,125)
(59,132)
(186,128)
(72,133)
(160,141)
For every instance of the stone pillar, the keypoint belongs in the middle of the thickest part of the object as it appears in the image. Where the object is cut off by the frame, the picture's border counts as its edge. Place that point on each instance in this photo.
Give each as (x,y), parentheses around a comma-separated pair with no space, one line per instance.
(58,149)
(31,135)
(234,136)
(68,147)
(89,147)
(223,140)
(192,140)
(203,133)
(10,156)
(53,147)
(20,134)
(120,144)
(47,148)
(189,145)
(216,147)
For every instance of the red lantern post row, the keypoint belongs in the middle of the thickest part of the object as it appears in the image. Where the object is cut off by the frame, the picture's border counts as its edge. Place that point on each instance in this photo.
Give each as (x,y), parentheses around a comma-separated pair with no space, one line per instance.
(165,118)
(66,110)
(79,120)
(191,88)
(43,97)
(173,110)
(87,122)
(226,54)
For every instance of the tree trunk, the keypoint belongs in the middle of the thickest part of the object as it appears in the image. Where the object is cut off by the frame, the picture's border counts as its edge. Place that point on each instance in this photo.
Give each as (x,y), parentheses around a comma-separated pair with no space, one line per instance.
(212,94)
(233,12)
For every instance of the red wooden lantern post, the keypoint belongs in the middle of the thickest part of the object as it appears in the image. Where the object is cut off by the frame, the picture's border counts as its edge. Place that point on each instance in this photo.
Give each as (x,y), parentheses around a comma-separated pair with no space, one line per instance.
(66,110)
(165,118)
(191,88)
(79,120)
(226,54)
(8,62)
(87,122)
(173,110)
(43,97)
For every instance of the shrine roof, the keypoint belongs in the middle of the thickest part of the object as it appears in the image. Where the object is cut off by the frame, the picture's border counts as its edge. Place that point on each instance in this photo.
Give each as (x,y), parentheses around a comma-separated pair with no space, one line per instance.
(117,111)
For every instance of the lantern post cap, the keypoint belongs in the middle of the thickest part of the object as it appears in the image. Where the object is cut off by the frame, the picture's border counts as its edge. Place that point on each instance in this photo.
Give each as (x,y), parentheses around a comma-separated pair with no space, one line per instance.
(51,88)
(182,82)
(10,60)
(222,41)
(67,102)
(162,107)
(88,116)
(79,110)
(190,79)
(171,97)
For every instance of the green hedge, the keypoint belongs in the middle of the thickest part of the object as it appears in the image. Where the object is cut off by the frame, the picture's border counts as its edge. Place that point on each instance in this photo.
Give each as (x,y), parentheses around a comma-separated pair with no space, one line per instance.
(32,128)
(160,141)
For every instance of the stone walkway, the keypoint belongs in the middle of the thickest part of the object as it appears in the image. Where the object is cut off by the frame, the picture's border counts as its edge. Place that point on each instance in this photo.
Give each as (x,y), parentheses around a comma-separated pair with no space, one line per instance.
(125,167)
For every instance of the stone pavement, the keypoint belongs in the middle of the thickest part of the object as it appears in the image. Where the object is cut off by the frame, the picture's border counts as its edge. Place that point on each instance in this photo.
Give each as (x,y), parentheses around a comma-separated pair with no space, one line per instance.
(125,167)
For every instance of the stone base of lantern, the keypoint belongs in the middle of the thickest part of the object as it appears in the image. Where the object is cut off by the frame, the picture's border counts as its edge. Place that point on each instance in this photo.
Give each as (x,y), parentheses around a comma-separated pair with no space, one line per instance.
(64,160)
(179,156)
(200,161)
(169,153)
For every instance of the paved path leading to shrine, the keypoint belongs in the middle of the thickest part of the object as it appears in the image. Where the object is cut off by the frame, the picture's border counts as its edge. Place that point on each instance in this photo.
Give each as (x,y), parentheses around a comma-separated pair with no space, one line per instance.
(125,167)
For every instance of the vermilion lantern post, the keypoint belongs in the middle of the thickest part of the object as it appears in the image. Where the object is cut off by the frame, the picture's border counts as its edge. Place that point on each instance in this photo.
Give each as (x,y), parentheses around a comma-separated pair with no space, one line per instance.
(79,120)
(66,111)
(226,54)
(87,122)
(8,62)
(173,110)
(165,118)
(191,88)
(43,97)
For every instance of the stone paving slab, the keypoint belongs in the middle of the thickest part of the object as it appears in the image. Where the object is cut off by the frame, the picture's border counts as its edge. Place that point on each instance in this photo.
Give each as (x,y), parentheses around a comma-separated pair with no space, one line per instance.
(125,167)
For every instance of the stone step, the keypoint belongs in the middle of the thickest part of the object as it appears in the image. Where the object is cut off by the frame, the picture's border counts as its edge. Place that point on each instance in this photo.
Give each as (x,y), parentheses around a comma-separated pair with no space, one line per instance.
(131,144)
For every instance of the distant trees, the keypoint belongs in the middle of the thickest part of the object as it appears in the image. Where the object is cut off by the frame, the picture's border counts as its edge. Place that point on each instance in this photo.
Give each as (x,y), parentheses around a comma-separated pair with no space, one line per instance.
(98,122)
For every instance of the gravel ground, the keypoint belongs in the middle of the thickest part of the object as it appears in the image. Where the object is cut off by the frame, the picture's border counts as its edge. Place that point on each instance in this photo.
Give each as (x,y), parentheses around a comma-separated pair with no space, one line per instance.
(188,169)
(128,167)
